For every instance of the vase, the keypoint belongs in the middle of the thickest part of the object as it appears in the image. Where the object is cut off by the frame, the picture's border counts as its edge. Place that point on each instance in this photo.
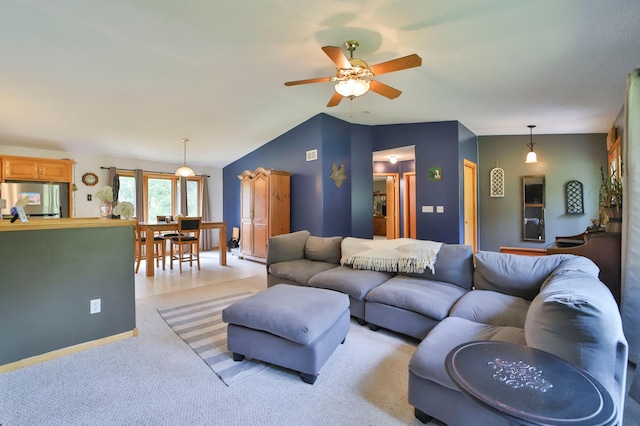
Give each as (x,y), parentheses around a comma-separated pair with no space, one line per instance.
(105,209)
(614,216)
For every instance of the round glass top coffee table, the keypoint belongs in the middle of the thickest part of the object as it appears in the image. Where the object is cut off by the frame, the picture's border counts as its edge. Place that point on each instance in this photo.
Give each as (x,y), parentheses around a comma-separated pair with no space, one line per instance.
(529,386)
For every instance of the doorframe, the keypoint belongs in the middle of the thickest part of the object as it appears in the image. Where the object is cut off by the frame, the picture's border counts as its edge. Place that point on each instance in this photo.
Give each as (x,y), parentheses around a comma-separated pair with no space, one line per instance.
(406,213)
(473,188)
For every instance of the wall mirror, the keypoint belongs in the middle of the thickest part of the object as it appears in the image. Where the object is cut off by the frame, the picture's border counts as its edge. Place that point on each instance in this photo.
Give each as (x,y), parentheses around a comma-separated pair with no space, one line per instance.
(533,222)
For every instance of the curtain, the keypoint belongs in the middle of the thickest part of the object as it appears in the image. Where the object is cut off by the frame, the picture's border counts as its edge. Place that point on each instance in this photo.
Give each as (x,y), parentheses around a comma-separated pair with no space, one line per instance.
(206,242)
(182,184)
(631,224)
(114,182)
(140,207)
(631,215)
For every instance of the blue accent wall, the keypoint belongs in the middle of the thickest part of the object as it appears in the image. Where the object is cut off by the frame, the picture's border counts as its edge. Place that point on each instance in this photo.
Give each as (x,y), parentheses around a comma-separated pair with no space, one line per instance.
(436,145)
(324,209)
(468,149)
(361,182)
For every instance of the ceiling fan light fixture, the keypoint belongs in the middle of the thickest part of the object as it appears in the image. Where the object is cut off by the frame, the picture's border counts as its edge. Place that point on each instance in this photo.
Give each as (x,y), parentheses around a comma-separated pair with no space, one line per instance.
(352,87)
(185,171)
(532,157)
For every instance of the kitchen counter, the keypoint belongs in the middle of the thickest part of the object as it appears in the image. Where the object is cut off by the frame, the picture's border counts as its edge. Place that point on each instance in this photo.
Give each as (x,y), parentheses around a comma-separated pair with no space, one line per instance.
(53,272)
(40,224)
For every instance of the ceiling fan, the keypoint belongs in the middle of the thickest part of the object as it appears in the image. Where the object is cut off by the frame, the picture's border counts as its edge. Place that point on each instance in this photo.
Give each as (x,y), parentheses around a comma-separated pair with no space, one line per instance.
(354,77)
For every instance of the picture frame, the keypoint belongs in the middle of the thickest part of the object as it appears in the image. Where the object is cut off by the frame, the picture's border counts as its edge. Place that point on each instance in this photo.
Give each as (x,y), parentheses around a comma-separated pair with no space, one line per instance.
(21,214)
(435,174)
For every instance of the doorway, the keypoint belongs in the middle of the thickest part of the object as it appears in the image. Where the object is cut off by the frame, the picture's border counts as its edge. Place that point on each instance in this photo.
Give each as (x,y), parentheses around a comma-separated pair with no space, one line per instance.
(386,205)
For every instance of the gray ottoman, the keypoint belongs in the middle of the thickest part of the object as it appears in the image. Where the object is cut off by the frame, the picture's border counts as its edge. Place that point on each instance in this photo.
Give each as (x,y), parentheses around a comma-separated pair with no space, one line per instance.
(289,326)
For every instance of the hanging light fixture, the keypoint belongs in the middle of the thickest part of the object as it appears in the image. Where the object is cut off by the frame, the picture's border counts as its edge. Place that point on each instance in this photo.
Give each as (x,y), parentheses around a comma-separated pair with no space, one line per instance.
(532,157)
(185,170)
(393,159)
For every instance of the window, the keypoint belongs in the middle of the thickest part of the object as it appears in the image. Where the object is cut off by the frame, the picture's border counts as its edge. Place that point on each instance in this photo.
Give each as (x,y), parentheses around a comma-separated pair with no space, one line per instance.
(127,190)
(162,194)
(194,201)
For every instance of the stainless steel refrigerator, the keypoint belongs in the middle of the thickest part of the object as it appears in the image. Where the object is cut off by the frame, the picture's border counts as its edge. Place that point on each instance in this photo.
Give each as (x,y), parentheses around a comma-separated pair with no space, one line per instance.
(47,200)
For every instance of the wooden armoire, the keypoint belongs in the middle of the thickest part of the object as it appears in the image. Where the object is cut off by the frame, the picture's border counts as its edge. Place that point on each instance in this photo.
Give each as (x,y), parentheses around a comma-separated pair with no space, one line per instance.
(264,210)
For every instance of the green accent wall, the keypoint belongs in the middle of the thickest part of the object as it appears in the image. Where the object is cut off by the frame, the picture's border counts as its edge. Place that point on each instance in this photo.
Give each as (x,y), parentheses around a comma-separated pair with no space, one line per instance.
(48,277)
(561,158)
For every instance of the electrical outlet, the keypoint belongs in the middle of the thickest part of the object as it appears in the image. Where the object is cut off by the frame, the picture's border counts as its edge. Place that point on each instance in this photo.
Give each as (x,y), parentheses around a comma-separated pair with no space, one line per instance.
(95,306)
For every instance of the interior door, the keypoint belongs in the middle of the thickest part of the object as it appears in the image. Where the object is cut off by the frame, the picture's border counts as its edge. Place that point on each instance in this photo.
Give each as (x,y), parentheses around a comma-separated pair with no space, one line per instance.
(409,205)
(470,205)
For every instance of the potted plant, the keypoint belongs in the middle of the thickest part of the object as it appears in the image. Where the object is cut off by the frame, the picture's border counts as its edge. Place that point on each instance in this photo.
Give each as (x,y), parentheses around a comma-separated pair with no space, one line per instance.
(611,201)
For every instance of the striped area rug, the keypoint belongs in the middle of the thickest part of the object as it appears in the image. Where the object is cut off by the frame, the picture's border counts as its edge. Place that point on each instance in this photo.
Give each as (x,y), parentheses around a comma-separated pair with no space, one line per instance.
(200,325)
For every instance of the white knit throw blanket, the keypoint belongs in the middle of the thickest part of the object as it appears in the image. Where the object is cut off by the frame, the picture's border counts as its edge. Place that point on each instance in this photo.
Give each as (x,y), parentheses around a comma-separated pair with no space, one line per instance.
(399,255)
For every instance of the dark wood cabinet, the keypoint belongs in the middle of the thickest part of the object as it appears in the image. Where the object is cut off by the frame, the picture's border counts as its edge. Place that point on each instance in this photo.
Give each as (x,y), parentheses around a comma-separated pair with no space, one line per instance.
(604,248)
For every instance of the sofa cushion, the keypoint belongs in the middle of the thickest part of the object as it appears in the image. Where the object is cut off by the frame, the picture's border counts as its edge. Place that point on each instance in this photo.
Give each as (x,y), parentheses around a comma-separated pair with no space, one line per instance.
(454,264)
(282,248)
(430,298)
(299,270)
(514,274)
(295,313)
(354,282)
(428,360)
(325,249)
(491,307)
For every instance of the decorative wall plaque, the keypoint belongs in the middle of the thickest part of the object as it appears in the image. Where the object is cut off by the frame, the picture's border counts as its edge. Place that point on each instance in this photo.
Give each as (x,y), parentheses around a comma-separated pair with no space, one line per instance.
(574,197)
(497,182)
(337,174)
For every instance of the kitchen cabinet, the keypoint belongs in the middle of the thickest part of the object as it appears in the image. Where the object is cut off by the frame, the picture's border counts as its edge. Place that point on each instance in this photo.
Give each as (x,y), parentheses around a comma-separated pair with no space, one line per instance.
(264,210)
(380,225)
(28,168)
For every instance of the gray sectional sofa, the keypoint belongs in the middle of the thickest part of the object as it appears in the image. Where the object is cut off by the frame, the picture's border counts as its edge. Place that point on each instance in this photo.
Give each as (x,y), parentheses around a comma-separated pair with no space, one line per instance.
(553,303)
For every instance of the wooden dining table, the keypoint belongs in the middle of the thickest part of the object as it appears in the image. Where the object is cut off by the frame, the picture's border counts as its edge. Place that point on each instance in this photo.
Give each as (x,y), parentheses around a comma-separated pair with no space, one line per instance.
(149,228)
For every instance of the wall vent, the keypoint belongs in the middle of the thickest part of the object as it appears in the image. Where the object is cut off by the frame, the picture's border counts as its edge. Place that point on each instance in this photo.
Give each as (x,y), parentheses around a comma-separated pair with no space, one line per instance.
(312,155)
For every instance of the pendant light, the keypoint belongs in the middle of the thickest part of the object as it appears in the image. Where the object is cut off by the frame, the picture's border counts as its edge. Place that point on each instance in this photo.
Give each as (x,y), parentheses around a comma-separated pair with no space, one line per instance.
(185,170)
(532,157)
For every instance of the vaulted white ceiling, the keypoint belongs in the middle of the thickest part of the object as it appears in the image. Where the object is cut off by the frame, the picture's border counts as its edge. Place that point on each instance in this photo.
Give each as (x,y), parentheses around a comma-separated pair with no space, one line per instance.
(131,78)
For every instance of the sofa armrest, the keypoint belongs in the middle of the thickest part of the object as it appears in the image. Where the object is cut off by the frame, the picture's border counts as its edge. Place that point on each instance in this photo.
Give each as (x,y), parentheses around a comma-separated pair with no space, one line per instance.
(286,247)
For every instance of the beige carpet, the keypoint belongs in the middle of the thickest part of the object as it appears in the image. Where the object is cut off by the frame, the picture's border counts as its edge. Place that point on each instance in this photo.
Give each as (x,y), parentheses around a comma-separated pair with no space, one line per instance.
(156,379)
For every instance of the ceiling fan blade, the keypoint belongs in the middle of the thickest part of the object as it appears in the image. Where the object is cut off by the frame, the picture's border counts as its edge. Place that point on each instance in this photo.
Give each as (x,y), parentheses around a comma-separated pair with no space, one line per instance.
(335,99)
(384,90)
(336,55)
(311,80)
(397,64)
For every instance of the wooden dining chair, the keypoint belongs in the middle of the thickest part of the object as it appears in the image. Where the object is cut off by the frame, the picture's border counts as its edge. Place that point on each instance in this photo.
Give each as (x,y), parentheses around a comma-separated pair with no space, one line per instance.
(140,241)
(188,235)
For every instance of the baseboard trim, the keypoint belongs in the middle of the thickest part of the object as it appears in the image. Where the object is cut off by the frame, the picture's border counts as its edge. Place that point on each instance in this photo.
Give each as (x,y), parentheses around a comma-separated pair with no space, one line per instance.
(36,359)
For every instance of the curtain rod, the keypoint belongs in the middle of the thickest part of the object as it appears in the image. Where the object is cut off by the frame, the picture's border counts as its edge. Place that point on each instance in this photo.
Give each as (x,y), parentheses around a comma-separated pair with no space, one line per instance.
(147,171)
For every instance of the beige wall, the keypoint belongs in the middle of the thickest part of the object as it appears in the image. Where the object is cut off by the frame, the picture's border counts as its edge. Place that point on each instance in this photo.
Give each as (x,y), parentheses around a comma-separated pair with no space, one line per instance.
(92,163)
